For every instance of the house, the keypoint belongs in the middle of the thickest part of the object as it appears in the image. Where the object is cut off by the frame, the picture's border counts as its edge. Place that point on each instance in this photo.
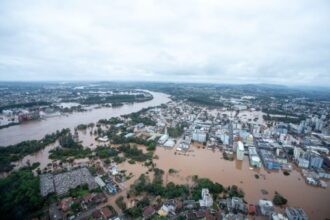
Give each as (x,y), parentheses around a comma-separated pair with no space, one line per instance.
(111,188)
(278,216)
(97,215)
(206,200)
(296,214)
(106,212)
(234,204)
(169,143)
(114,170)
(103,139)
(87,198)
(140,125)
(163,139)
(66,203)
(129,135)
(167,208)
(148,212)
(93,198)
(266,207)
(99,198)
(232,216)
(252,209)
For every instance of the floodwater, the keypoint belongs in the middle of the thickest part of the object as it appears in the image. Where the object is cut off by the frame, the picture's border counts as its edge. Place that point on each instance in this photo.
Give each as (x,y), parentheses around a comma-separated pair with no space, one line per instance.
(38,129)
(41,156)
(202,162)
(209,164)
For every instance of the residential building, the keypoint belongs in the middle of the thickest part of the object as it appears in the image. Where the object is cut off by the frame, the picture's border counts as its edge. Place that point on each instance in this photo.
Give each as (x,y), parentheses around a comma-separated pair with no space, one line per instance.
(296,214)
(199,136)
(278,216)
(266,207)
(255,160)
(315,160)
(240,151)
(269,160)
(206,200)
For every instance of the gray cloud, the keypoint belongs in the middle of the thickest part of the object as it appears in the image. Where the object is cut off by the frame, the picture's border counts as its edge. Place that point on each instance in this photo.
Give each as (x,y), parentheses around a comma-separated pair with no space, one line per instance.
(285,42)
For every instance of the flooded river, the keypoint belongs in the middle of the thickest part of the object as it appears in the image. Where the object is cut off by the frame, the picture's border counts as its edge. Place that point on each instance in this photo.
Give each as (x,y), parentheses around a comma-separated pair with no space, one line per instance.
(202,162)
(38,129)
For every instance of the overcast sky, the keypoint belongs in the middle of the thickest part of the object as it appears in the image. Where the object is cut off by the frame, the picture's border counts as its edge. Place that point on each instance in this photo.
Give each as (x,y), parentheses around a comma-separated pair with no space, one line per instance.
(280,42)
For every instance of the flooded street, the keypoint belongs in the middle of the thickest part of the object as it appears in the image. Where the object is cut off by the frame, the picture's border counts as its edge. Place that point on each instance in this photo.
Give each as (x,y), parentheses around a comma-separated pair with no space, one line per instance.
(38,129)
(198,161)
(207,163)
(210,164)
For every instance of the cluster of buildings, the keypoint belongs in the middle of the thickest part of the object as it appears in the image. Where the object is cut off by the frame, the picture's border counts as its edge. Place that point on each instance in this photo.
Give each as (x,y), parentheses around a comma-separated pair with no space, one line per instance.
(275,145)
(91,204)
(61,183)
(237,209)
(228,208)
(243,131)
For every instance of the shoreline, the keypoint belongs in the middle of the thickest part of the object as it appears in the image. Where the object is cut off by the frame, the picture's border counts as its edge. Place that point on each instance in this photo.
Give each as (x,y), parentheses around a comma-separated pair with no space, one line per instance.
(37,129)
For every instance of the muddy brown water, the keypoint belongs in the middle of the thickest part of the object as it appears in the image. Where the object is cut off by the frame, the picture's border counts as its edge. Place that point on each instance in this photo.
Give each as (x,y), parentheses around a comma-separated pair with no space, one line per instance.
(202,162)
(38,129)
(210,164)
(207,163)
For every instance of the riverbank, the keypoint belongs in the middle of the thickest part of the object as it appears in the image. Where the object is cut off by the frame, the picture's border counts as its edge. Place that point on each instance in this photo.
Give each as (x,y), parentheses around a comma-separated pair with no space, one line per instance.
(38,129)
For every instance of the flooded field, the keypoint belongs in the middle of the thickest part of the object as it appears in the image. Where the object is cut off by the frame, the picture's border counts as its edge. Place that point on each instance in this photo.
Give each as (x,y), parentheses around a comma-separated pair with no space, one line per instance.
(209,164)
(38,129)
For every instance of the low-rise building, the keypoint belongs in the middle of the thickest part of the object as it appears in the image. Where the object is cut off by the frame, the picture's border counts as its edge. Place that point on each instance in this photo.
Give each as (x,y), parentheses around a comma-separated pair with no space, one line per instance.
(296,214)
(206,200)
(163,139)
(266,207)
(278,216)
(148,212)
